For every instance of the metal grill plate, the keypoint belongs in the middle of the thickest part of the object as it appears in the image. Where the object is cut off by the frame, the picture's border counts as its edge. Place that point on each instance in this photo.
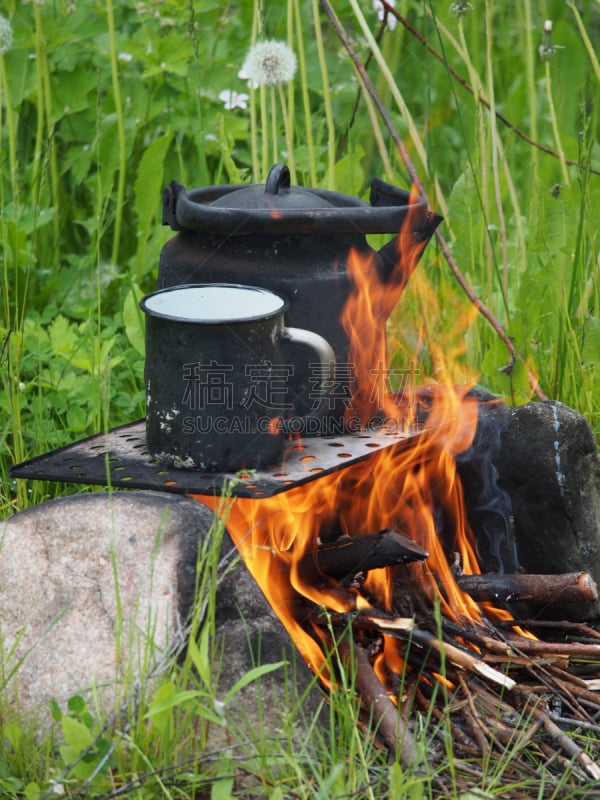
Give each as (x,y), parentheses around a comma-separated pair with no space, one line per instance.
(119,458)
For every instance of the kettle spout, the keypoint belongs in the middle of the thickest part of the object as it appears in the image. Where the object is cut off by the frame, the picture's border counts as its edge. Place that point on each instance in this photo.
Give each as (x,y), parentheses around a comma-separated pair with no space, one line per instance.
(395,264)
(425,230)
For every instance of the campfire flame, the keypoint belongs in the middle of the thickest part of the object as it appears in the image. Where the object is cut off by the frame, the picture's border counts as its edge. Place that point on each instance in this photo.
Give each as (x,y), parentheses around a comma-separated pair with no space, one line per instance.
(412,488)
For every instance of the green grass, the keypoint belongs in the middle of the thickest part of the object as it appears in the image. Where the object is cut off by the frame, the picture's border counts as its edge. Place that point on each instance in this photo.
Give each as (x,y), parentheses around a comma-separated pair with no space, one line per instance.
(103,103)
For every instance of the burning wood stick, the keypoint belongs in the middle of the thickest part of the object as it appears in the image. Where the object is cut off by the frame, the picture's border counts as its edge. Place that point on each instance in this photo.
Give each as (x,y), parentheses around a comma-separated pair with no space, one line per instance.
(352,554)
(453,654)
(391,726)
(405,627)
(570,587)
(564,649)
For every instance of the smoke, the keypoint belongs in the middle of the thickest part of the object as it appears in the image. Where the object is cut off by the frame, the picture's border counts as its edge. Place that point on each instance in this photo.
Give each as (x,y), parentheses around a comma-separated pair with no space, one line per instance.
(488,505)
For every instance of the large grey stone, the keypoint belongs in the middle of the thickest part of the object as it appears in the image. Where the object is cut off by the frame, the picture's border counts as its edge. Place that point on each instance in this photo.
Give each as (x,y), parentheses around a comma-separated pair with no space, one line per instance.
(532,493)
(95,590)
(550,467)
(251,634)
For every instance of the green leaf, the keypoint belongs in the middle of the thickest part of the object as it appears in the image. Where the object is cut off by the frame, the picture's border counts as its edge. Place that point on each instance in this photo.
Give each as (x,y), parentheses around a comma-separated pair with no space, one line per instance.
(176,699)
(77,418)
(222,787)
(82,769)
(199,653)
(71,92)
(591,342)
(32,791)
(76,734)
(13,734)
(249,677)
(63,337)
(55,710)
(349,174)
(149,182)
(133,320)
(76,704)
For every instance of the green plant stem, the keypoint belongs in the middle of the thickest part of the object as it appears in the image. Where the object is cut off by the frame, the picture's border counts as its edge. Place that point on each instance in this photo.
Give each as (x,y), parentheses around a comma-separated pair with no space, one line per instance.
(489,16)
(586,39)
(480,175)
(10,126)
(36,178)
(393,86)
(121,182)
(253,102)
(479,305)
(274,128)
(308,127)
(554,120)
(264,124)
(378,134)
(532,94)
(254,136)
(8,280)
(326,96)
(289,139)
(288,104)
(52,158)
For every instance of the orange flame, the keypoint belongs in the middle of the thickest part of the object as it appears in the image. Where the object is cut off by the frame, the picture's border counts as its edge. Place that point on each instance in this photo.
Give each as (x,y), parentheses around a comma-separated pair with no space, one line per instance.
(411,487)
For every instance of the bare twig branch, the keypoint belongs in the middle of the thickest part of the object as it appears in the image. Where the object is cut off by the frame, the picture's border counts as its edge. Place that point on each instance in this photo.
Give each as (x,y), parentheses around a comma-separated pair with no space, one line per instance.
(478,96)
(485,312)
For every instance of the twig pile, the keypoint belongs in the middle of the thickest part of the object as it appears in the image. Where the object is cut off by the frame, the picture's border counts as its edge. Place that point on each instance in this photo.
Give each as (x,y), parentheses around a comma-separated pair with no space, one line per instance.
(496,689)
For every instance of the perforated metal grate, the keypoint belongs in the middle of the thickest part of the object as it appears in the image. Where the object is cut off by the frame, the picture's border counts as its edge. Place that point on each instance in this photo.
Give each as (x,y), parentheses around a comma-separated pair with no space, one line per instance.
(119,458)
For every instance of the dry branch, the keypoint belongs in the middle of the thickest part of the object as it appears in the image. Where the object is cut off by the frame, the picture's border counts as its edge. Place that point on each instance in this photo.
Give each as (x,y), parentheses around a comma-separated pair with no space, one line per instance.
(390,724)
(570,587)
(481,307)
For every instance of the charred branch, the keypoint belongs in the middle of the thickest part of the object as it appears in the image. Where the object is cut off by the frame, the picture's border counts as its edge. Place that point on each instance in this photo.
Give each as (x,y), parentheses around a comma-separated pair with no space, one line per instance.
(570,587)
(350,556)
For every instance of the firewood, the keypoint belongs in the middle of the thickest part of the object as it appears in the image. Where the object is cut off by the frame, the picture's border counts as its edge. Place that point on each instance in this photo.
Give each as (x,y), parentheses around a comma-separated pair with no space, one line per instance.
(567,745)
(570,587)
(391,726)
(348,556)
(447,651)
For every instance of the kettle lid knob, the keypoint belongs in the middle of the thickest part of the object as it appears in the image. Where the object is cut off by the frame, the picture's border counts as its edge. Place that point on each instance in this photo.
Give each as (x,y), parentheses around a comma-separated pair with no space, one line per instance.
(278,178)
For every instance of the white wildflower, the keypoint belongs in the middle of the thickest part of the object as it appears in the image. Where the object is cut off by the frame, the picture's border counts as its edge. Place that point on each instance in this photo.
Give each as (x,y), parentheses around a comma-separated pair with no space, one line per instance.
(125,57)
(269,64)
(547,49)
(383,14)
(6,35)
(231,99)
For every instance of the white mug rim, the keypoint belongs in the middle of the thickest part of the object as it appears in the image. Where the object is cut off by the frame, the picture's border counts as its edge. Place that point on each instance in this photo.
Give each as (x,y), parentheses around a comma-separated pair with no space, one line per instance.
(163,303)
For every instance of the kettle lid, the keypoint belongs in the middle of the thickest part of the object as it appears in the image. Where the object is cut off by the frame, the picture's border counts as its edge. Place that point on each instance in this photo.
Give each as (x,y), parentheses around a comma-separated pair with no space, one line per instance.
(277,194)
(277,208)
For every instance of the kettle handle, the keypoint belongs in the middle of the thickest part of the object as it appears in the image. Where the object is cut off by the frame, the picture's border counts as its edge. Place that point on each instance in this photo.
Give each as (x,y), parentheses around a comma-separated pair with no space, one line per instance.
(325,364)
(278,178)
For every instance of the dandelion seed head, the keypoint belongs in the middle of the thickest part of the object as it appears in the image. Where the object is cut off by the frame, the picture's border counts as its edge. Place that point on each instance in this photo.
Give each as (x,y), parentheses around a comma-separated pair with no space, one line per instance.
(6,35)
(460,8)
(269,64)
(547,49)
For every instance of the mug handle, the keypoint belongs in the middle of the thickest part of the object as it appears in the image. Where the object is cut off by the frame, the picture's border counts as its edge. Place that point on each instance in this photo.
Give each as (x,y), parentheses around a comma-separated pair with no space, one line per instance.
(326,357)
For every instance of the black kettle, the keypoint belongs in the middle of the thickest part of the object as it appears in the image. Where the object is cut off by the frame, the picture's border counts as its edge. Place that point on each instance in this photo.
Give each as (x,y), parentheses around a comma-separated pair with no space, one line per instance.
(296,242)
